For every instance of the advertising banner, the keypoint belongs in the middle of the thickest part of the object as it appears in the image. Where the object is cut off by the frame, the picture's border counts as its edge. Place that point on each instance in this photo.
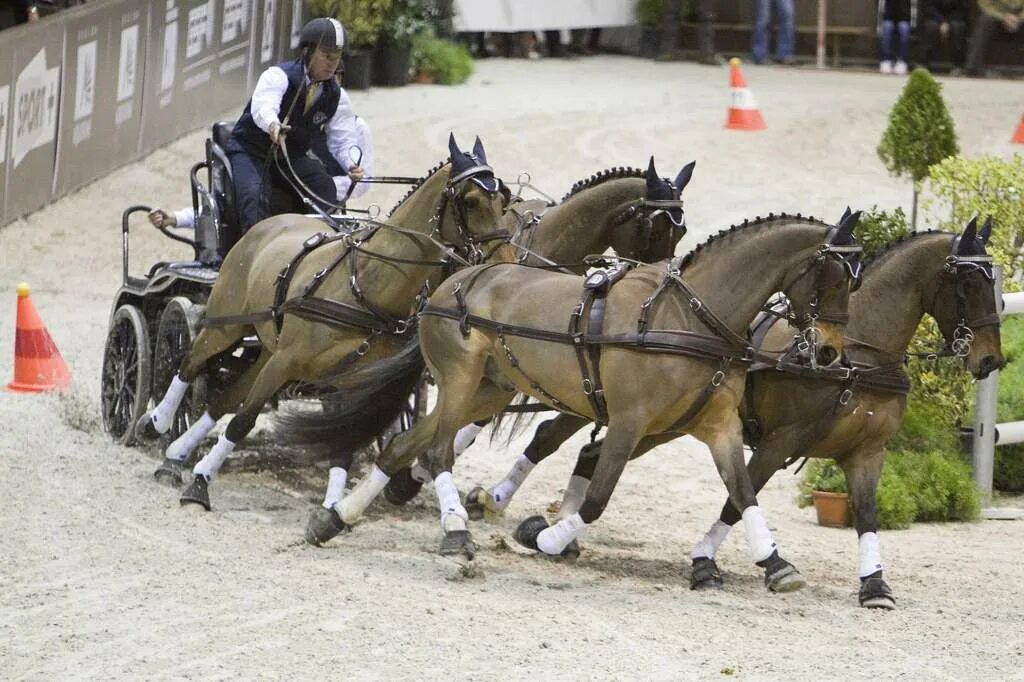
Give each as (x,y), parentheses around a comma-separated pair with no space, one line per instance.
(6,77)
(33,112)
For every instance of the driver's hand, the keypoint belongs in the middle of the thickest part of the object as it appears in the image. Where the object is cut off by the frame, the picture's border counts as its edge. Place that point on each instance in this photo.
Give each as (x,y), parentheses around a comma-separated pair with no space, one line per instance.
(356,173)
(161,218)
(277,131)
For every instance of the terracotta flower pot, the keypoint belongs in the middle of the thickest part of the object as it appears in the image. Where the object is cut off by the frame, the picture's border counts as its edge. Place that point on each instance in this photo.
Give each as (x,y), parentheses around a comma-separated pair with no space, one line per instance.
(832,508)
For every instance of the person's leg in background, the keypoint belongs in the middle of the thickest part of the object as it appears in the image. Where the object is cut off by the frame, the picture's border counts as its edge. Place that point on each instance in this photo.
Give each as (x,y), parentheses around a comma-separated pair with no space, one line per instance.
(957,41)
(903,56)
(977,45)
(706,33)
(885,39)
(930,46)
(760,34)
(785,16)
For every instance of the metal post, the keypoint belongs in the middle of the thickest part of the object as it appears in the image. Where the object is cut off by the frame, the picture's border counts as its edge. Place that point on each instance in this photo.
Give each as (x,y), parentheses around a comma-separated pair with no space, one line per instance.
(822,21)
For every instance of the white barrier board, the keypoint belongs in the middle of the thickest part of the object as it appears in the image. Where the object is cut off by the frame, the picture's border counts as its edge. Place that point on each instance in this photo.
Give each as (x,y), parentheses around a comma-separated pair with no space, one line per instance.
(539,15)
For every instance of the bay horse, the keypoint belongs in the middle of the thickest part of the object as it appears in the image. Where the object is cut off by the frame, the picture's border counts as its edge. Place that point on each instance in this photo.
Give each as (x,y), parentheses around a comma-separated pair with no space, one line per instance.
(636,213)
(322,303)
(492,331)
(850,420)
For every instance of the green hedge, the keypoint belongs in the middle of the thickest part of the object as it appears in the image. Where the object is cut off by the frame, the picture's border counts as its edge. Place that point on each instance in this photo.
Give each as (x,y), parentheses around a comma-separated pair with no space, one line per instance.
(1008,474)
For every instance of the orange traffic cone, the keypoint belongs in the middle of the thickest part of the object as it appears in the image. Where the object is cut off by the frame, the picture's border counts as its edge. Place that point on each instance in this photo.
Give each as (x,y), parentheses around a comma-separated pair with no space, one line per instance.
(743,113)
(38,365)
(1018,137)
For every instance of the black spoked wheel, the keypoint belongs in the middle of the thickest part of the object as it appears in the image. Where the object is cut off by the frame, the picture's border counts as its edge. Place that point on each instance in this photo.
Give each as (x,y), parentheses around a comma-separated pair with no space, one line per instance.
(126,377)
(177,329)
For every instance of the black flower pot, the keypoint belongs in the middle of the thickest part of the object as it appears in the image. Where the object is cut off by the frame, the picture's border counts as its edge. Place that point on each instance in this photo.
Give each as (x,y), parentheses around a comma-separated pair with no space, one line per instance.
(650,42)
(358,68)
(391,65)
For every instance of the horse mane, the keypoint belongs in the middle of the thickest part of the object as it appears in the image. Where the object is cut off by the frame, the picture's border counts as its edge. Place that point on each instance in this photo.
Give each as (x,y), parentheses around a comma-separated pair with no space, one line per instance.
(887,249)
(419,183)
(758,221)
(604,176)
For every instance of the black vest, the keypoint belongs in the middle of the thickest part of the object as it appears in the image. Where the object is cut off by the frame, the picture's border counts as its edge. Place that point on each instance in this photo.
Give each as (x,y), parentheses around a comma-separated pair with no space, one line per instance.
(305,125)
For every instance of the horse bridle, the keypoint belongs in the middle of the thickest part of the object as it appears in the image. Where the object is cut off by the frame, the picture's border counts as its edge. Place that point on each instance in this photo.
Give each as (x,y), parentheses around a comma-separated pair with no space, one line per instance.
(959,267)
(467,244)
(645,211)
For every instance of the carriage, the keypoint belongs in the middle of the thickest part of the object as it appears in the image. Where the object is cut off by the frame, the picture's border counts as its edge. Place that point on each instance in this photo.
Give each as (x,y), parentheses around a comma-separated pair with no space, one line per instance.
(155,317)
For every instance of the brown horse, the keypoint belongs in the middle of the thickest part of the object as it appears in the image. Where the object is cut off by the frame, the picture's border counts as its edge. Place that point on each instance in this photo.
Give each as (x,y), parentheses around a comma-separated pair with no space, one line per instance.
(490,332)
(322,303)
(946,276)
(636,213)
(846,414)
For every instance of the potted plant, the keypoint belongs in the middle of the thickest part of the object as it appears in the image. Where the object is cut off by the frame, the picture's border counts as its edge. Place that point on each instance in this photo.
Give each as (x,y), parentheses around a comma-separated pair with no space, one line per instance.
(650,14)
(824,485)
(363,21)
(391,60)
(435,60)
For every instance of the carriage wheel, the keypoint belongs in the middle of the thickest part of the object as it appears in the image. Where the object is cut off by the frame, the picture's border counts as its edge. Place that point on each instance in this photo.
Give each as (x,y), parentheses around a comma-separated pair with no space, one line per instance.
(126,376)
(178,328)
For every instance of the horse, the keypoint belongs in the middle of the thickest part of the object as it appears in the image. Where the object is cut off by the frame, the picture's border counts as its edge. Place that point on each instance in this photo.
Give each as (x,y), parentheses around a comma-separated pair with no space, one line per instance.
(322,303)
(636,213)
(492,331)
(943,275)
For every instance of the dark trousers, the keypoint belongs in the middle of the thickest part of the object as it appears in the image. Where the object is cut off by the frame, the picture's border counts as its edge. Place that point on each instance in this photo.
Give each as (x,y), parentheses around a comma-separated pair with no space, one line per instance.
(704,13)
(262,191)
(984,27)
(955,40)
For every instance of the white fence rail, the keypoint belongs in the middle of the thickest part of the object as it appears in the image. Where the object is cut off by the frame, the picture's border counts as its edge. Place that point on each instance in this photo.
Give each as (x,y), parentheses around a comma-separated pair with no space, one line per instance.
(988,433)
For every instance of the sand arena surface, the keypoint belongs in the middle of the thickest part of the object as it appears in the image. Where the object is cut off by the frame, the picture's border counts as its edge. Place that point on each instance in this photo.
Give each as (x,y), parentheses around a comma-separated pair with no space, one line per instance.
(103,576)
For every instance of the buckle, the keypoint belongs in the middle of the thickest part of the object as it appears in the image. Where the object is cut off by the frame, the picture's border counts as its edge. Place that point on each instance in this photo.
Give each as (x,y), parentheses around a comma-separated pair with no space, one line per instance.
(717,378)
(588,387)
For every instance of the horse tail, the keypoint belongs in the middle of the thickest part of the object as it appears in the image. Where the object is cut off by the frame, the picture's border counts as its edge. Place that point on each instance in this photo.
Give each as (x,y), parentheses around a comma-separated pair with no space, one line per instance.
(360,407)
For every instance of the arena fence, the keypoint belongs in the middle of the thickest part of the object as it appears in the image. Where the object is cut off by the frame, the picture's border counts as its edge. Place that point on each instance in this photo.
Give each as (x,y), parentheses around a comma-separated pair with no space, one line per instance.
(92,88)
(987,433)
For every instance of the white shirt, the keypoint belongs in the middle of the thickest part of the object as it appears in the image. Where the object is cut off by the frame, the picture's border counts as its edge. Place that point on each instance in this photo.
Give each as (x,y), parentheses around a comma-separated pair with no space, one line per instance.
(266,103)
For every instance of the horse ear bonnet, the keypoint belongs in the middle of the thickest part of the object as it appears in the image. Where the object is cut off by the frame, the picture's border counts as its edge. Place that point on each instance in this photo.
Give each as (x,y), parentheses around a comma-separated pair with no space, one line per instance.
(661,189)
(472,165)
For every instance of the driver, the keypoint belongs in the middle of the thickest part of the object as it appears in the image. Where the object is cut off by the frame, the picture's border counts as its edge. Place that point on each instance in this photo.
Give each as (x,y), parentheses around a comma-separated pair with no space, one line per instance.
(294,102)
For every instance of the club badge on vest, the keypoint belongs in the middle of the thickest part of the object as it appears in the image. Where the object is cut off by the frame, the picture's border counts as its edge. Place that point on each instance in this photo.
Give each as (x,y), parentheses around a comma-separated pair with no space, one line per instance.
(319,118)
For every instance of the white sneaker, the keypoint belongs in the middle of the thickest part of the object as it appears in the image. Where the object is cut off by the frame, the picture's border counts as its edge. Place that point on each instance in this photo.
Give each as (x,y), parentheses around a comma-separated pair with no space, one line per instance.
(901,68)
(885,67)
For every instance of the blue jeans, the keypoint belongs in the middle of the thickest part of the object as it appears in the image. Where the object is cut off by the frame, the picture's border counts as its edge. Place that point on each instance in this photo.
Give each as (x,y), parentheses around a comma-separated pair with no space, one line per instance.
(889,30)
(760,41)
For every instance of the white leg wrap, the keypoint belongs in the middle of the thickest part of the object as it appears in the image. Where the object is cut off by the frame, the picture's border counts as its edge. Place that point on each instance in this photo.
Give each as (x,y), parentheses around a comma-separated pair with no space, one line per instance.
(187,442)
(759,538)
(465,437)
(335,487)
(209,466)
(575,492)
(355,503)
(712,540)
(870,552)
(163,414)
(453,514)
(503,491)
(420,473)
(554,539)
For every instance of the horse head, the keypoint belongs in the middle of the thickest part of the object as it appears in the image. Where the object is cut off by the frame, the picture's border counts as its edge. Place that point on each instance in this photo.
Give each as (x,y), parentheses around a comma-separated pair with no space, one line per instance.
(474,204)
(661,220)
(820,293)
(965,304)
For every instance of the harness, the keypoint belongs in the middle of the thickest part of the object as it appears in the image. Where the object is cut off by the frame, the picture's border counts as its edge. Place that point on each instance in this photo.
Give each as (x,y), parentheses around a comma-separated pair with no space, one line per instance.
(722,344)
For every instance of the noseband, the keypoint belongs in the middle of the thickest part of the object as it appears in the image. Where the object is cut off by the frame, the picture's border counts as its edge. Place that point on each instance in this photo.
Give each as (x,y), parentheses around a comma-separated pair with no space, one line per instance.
(645,211)
(467,244)
(959,267)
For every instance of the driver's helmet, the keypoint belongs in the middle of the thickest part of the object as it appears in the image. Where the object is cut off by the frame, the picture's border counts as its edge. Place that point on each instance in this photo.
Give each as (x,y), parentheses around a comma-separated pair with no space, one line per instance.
(324,33)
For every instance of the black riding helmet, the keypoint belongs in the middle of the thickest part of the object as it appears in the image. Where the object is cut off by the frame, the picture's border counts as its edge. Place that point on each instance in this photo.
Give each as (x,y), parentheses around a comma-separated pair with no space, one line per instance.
(324,33)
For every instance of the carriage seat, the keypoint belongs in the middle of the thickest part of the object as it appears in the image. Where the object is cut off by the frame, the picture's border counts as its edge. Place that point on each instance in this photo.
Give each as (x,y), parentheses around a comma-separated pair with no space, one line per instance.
(222,186)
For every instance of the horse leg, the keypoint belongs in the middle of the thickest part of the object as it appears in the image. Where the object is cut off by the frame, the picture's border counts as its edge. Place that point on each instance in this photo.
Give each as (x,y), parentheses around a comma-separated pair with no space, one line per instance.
(324,522)
(209,343)
(178,452)
(768,458)
(617,448)
(863,469)
(723,436)
(274,373)
(548,437)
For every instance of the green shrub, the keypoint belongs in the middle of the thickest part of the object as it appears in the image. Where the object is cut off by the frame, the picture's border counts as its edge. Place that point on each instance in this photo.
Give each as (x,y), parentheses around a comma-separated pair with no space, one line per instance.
(877,228)
(407,20)
(1008,472)
(445,62)
(819,474)
(896,507)
(650,13)
(941,485)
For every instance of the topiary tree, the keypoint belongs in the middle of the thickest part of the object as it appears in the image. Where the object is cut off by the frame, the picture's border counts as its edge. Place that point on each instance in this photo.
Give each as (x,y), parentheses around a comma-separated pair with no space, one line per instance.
(920,132)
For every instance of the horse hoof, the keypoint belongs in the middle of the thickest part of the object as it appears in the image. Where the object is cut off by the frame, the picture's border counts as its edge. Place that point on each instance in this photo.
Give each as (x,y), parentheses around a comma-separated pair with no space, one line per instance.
(197,493)
(458,542)
(476,503)
(169,473)
(705,575)
(780,575)
(323,525)
(402,487)
(527,532)
(144,429)
(571,551)
(875,593)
